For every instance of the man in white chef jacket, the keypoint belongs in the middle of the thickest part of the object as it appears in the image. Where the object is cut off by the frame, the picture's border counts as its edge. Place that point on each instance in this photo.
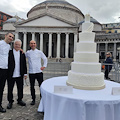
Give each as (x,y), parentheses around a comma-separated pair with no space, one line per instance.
(4,50)
(35,68)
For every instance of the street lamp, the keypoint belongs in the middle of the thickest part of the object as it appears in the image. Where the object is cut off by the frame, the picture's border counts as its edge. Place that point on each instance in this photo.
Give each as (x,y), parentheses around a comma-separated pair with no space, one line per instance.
(119,54)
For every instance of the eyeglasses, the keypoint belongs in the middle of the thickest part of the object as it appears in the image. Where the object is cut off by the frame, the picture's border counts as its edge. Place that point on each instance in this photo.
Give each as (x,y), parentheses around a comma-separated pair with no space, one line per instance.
(107,54)
(11,36)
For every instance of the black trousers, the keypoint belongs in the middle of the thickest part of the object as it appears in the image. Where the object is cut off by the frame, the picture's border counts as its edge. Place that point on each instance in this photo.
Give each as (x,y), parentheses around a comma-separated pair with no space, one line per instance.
(107,73)
(3,77)
(39,77)
(19,83)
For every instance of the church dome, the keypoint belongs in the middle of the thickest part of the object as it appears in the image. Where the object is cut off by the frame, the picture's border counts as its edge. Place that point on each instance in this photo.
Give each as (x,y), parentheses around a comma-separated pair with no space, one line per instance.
(9,24)
(13,20)
(91,20)
(59,8)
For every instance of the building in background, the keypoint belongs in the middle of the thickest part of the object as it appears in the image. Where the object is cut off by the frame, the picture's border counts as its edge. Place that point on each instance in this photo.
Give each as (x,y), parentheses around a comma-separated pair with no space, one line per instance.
(3,18)
(109,40)
(55,25)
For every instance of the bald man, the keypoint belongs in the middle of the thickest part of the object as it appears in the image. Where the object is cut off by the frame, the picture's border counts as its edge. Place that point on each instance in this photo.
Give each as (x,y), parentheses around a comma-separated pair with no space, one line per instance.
(35,68)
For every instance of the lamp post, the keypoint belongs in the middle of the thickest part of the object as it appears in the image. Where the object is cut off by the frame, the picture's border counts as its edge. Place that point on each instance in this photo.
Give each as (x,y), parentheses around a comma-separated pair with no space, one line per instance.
(119,54)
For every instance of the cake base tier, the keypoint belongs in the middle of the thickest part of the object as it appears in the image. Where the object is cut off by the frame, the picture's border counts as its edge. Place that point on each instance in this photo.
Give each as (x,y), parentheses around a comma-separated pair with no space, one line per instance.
(86,81)
(86,87)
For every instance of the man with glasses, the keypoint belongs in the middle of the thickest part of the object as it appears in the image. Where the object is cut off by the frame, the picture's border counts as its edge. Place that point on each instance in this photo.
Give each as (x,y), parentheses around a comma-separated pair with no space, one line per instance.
(108,67)
(4,50)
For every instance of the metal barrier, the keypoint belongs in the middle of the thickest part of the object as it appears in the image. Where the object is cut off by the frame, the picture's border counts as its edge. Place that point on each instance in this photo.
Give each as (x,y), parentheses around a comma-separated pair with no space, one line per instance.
(55,69)
(114,73)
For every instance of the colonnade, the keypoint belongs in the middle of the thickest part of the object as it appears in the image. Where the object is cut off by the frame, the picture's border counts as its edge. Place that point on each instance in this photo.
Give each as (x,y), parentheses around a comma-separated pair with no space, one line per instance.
(41,41)
(106,48)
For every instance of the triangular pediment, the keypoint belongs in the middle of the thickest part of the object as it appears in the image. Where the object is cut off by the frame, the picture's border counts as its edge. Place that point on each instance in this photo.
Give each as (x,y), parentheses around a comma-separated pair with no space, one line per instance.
(46,20)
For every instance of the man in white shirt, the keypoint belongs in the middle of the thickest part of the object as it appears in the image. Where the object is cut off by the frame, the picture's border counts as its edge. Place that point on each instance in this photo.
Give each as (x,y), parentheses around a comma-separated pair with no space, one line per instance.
(17,69)
(35,68)
(4,50)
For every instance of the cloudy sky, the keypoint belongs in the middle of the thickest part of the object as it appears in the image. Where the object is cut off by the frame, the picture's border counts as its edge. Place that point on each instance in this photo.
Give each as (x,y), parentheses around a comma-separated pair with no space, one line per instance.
(104,11)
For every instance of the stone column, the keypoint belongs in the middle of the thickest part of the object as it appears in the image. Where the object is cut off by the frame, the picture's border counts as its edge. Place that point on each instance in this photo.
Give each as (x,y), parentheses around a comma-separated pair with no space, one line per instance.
(114,54)
(58,45)
(50,46)
(106,48)
(98,47)
(24,41)
(75,41)
(16,35)
(41,41)
(33,36)
(66,45)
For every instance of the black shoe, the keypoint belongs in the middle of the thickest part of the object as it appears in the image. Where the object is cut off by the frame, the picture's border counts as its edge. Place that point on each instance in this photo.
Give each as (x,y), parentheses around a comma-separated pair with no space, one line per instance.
(32,103)
(108,78)
(9,106)
(21,103)
(2,109)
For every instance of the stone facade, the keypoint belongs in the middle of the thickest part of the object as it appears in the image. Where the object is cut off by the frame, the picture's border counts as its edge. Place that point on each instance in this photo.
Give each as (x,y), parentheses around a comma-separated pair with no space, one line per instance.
(55,26)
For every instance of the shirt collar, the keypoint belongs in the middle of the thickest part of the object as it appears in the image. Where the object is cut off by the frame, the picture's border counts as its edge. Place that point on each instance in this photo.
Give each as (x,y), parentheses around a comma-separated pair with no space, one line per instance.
(15,50)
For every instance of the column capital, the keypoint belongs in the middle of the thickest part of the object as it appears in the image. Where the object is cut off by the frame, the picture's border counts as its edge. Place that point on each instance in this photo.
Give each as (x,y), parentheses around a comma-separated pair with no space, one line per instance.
(59,33)
(50,33)
(75,33)
(67,33)
(41,32)
(24,32)
(32,32)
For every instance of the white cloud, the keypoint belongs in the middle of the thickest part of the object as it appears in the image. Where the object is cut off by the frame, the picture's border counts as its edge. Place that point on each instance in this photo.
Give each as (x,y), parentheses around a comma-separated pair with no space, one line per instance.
(103,10)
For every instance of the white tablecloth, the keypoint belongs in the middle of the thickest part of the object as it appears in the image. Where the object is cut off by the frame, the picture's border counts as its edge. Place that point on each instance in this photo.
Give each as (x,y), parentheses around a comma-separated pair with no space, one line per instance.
(81,105)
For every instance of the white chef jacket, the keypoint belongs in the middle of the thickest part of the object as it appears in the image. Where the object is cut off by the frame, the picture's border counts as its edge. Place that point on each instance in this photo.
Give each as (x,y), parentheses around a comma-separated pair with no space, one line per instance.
(34,60)
(4,50)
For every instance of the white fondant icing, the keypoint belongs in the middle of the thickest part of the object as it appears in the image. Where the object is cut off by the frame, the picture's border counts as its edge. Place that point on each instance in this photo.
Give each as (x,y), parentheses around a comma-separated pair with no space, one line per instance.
(85,71)
(86,47)
(86,37)
(86,67)
(86,57)
(87,27)
(85,79)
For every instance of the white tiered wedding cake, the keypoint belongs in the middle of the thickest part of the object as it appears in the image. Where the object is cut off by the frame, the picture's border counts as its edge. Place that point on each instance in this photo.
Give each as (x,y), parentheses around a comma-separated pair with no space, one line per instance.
(85,71)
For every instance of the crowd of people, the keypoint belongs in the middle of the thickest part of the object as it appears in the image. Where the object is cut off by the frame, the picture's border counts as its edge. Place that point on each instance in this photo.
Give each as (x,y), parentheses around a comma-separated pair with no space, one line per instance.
(13,69)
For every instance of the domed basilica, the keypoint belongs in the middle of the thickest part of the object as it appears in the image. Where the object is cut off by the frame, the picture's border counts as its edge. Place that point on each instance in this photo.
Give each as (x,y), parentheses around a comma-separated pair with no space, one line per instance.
(54,25)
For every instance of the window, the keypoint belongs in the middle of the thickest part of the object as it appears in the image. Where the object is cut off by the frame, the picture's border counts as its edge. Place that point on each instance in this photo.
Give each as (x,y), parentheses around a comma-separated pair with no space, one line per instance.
(1,23)
(1,16)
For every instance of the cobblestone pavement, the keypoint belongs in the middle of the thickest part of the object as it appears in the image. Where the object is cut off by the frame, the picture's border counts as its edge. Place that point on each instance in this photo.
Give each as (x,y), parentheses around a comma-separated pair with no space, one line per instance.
(18,112)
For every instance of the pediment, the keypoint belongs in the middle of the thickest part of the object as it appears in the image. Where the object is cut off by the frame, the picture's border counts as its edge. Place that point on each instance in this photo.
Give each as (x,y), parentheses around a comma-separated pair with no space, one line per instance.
(46,20)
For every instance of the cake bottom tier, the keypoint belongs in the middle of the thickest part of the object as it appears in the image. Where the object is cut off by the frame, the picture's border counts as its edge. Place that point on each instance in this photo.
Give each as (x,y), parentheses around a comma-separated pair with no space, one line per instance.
(86,81)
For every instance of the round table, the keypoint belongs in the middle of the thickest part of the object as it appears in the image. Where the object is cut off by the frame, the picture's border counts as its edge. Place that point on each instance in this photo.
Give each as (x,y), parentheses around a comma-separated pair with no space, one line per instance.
(81,104)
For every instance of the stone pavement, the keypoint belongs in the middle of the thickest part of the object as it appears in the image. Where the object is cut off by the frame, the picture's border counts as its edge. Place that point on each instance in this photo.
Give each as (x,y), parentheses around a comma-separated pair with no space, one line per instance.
(29,112)
(22,113)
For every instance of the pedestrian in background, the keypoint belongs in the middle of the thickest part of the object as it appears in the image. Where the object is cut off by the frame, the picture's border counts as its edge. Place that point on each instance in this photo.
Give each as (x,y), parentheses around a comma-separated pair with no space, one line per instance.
(107,66)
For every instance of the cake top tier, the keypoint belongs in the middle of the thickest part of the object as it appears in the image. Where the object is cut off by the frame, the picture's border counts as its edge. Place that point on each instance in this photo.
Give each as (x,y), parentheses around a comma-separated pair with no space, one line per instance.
(87,26)
(87,18)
